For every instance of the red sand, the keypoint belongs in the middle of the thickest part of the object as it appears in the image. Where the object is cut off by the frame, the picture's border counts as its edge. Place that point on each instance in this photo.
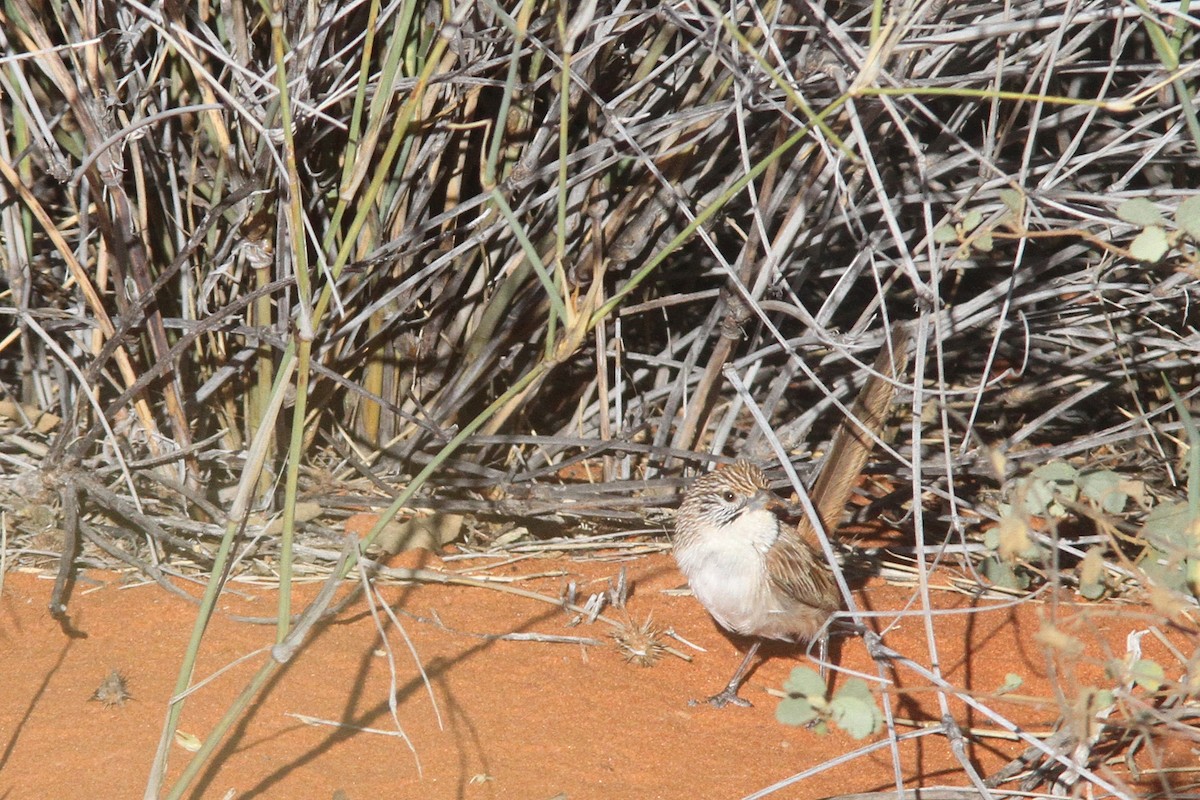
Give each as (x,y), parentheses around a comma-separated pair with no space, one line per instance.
(521,719)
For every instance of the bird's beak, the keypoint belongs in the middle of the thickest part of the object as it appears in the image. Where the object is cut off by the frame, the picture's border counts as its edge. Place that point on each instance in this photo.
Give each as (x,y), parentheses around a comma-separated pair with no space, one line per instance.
(767,500)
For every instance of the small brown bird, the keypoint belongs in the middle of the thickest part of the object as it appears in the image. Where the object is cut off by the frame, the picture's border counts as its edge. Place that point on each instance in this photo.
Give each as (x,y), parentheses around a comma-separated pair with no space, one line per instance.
(752,572)
(757,575)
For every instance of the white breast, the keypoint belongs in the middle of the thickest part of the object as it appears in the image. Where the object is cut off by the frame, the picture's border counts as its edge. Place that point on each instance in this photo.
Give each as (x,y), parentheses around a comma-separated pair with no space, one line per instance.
(727,571)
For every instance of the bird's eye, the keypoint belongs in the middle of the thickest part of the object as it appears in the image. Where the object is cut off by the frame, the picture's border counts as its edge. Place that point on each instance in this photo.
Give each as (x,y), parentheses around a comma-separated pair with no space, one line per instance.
(728,496)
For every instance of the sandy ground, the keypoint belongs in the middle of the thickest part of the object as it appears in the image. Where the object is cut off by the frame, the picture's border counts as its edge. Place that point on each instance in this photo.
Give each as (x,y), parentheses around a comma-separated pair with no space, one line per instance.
(518,719)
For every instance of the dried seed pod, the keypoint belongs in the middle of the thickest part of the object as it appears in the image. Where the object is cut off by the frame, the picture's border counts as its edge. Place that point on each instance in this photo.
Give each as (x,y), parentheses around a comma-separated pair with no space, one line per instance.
(639,643)
(112,691)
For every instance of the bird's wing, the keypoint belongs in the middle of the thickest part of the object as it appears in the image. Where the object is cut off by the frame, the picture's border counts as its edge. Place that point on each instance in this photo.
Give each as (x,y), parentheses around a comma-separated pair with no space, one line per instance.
(801,573)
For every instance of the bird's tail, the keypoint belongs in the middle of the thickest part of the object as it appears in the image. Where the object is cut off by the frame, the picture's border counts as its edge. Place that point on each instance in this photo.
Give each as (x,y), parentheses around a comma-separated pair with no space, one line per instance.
(852,444)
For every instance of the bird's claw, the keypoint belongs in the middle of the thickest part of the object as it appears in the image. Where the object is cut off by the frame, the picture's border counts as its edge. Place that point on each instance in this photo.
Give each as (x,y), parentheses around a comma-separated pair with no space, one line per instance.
(728,697)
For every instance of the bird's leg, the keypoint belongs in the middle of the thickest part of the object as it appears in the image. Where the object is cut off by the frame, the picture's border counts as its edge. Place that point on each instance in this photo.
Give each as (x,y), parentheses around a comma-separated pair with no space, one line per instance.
(730,695)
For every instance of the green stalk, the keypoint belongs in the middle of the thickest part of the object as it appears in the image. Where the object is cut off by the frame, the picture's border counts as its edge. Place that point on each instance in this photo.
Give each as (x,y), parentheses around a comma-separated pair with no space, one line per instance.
(536,373)
(1191,561)
(216,580)
(531,254)
(703,216)
(356,115)
(1167,50)
(510,87)
(383,167)
(303,322)
(235,711)
(355,169)
(264,673)
(814,119)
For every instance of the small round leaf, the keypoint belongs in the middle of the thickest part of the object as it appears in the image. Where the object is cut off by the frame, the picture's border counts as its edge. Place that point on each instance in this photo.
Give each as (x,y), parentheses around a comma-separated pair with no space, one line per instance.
(856,687)
(1103,488)
(1003,575)
(855,716)
(1014,200)
(795,711)
(1056,471)
(1150,245)
(1147,674)
(945,234)
(1139,211)
(1187,217)
(805,682)
(1012,682)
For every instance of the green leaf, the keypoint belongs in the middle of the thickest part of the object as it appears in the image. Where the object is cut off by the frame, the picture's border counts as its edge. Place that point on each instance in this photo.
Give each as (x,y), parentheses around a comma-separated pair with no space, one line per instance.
(1091,574)
(1103,488)
(1044,484)
(857,717)
(1035,553)
(982,243)
(1139,211)
(1168,525)
(795,711)
(1164,569)
(1014,200)
(972,219)
(1095,485)
(1003,575)
(856,687)
(1147,674)
(1012,682)
(1187,217)
(1150,245)
(1039,495)
(945,234)
(805,682)
(1114,502)
(1056,471)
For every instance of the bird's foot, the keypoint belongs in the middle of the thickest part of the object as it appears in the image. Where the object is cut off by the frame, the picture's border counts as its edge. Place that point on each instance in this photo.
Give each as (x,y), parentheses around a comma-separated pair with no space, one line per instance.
(728,697)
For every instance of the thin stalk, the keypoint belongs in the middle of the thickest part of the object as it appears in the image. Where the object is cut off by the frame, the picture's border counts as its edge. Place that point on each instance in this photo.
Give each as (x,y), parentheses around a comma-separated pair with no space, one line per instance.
(519,31)
(814,119)
(704,215)
(356,114)
(564,151)
(384,163)
(536,373)
(268,669)
(1167,50)
(216,579)
(354,171)
(303,323)
(234,712)
(531,253)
